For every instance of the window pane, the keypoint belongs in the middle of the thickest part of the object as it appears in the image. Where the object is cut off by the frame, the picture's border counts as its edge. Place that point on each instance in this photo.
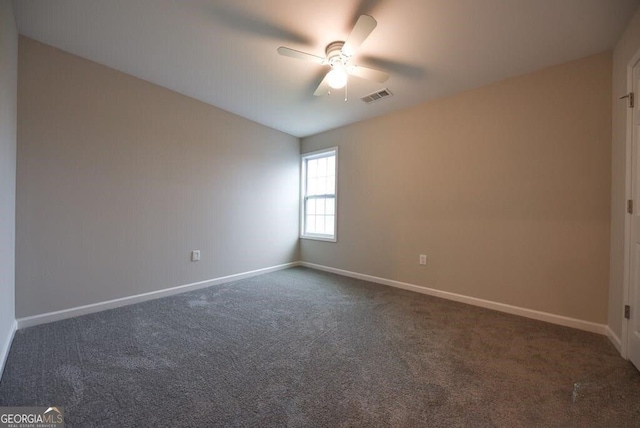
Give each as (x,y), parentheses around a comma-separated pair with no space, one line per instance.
(312,186)
(312,168)
(329,226)
(322,167)
(330,206)
(321,188)
(311,206)
(310,224)
(331,185)
(320,206)
(331,165)
(320,224)
(319,179)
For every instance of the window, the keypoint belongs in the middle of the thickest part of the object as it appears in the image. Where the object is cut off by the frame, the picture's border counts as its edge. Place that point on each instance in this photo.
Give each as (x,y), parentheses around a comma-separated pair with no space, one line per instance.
(319,197)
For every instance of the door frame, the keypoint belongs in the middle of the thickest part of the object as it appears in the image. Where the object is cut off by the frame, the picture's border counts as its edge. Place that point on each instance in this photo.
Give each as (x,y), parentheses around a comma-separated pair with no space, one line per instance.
(626,285)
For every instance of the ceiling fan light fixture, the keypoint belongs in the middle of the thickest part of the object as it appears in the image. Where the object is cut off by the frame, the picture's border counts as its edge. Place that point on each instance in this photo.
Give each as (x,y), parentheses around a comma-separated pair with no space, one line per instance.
(337,77)
(338,54)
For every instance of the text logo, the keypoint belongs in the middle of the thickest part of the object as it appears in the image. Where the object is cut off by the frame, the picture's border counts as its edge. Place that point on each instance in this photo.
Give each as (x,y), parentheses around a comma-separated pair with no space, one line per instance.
(31,417)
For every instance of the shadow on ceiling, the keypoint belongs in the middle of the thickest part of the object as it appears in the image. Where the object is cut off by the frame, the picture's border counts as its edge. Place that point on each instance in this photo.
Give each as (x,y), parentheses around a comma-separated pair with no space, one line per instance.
(250,23)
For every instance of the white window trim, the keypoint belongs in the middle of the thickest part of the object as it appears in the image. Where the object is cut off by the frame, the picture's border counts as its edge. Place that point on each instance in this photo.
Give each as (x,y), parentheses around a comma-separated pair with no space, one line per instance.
(303,183)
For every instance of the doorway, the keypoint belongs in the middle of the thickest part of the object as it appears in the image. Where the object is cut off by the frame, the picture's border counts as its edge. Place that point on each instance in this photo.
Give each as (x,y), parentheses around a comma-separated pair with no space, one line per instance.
(632,302)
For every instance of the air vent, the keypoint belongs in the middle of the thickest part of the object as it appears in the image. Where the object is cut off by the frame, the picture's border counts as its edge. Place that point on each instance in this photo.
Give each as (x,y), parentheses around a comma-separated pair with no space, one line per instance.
(376,96)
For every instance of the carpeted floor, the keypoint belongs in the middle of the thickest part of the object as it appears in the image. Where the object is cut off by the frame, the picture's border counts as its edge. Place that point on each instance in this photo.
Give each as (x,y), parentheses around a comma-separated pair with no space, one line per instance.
(306,348)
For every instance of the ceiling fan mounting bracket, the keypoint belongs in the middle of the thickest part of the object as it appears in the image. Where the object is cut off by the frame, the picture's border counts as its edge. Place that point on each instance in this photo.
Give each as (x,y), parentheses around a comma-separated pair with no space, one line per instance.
(335,54)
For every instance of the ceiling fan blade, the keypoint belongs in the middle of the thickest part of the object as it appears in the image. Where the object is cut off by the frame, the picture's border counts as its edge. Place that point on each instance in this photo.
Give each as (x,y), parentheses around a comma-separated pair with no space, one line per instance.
(323,87)
(300,55)
(368,73)
(364,26)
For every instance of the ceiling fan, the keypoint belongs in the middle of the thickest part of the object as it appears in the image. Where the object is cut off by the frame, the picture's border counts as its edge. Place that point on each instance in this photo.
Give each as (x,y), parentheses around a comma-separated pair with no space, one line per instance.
(338,55)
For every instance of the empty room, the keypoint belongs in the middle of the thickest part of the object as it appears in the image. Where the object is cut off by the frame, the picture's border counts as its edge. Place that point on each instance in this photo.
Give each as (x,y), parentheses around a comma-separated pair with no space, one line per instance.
(319,213)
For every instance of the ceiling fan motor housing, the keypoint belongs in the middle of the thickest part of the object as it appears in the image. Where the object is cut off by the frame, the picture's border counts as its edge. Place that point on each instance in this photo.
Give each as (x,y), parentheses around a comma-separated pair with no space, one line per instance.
(334,53)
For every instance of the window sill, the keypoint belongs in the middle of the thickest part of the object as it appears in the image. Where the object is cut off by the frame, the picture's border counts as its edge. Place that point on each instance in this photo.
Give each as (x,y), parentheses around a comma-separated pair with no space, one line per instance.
(319,238)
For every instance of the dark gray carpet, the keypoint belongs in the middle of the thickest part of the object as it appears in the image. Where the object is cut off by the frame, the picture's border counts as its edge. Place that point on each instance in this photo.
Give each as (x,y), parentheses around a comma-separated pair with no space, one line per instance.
(306,348)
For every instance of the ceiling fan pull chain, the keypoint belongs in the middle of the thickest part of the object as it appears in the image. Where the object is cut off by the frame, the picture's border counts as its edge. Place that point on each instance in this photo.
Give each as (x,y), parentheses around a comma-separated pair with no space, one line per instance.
(346,86)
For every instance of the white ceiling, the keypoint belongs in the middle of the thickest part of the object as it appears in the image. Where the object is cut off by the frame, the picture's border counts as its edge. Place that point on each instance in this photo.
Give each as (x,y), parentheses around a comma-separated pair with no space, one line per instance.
(223,52)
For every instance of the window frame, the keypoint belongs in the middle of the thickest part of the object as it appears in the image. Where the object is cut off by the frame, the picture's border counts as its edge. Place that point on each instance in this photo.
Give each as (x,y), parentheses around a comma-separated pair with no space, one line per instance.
(304,157)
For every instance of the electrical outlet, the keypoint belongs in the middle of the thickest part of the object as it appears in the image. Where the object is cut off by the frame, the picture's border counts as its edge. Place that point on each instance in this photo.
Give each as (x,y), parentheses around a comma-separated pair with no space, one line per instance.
(423,259)
(195,256)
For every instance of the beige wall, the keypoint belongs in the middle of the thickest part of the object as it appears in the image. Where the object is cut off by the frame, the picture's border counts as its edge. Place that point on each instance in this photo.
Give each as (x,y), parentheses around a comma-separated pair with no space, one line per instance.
(505,188)
(8,85)
(627,47)
(119,179)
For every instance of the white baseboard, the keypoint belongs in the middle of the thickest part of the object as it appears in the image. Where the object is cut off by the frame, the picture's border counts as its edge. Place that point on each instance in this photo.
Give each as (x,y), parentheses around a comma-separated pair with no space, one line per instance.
(130,300)
(614,339)
(6,346)
(501,307)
